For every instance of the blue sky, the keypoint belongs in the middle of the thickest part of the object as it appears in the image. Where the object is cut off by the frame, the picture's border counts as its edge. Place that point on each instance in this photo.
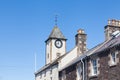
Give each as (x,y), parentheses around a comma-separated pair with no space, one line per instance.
(26,24)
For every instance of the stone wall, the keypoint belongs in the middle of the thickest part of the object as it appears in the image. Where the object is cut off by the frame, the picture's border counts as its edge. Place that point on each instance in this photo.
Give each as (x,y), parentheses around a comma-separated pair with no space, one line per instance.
(106,72)
(70,73)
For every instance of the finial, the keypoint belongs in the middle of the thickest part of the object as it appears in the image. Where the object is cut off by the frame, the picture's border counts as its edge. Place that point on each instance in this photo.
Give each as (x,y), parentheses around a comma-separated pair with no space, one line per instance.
(56,16)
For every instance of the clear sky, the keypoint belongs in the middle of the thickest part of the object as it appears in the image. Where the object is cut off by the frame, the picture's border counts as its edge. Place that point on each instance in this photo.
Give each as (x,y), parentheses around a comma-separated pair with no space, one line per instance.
(26,24)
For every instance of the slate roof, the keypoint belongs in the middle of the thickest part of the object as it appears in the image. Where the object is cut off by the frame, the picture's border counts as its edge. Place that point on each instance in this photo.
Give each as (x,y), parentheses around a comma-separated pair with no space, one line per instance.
(92,50)
(105,45)
(56,33)
(111,43)
(100,47)
(46,66)
(49,65)
(77,59)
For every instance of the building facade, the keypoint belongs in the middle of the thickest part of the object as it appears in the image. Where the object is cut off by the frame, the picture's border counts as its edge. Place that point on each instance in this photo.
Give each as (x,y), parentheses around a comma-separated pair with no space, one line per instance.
(102,62)
(55,45)
(56,55)
(55,49)
(99,63)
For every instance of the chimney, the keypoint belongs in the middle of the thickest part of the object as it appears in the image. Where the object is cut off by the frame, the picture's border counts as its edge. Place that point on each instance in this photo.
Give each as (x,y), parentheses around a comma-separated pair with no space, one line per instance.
(80,38)
(112,26)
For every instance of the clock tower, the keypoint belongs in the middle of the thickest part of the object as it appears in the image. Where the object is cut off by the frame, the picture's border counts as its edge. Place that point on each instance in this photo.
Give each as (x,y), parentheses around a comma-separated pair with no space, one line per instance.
(55,45)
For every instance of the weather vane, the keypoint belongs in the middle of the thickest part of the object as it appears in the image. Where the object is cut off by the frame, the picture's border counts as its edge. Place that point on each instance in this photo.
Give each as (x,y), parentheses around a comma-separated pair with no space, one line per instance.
(56,16)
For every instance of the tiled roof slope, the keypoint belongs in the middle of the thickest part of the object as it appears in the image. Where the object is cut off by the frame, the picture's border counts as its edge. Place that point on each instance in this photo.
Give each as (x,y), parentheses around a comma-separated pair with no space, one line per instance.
(56,33)
(112,42)
(77,59)
(100,47)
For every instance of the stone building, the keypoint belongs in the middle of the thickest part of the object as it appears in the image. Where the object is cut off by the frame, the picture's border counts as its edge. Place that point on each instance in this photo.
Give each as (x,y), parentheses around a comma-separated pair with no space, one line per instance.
(99,63)
(55,49)
(56,55)
(103,63)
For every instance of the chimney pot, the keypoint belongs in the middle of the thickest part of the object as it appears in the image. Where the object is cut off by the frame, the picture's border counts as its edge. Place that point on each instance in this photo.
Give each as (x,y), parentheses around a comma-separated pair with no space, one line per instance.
(80,31)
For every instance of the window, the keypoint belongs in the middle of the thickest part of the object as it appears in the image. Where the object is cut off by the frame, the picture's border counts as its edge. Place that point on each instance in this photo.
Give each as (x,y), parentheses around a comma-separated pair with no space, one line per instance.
(79,71)
(48,55)
(45,74)
(40,76)
(94,67)
(113,57)
(63,75)
(58,54)
(50,78)
(50,70)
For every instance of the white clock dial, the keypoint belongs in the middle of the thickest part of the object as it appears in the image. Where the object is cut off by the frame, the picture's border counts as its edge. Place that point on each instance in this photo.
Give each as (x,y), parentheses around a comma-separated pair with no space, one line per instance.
(58,43)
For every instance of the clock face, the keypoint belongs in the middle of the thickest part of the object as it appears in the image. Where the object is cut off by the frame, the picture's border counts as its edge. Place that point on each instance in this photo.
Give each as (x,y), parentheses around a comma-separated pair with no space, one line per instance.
(58,43)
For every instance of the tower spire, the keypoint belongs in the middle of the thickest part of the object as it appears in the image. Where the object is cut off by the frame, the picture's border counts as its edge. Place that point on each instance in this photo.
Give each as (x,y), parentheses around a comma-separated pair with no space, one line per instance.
(56,17)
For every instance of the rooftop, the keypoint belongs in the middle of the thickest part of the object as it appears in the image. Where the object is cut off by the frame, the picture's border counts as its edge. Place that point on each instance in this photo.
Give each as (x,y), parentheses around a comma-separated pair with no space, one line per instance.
(56,33)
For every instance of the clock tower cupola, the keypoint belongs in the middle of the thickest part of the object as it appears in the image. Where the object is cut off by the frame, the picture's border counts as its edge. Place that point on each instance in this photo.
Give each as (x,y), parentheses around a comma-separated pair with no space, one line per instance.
(55,45)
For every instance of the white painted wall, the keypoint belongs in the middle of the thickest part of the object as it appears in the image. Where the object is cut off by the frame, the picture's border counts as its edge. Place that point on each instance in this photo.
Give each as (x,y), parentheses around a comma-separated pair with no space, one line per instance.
(52,50)
(48,51)
(68,58)
(56,50)
(48,76)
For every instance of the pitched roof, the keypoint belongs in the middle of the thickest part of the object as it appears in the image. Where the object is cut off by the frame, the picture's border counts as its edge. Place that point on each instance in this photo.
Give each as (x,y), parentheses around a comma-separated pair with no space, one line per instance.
(100,47)
(56,33)
(111,43)
(93,50)
(49,65)
(105,45)
(75,60)
(46,66)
